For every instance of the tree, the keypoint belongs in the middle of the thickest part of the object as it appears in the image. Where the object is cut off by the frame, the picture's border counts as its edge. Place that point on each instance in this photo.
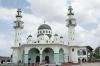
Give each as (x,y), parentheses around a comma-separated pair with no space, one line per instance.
(97,53)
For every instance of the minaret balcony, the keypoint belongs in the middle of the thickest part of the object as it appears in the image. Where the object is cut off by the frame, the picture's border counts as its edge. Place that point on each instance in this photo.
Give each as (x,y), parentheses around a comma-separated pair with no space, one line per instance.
(71,25)
(21,27)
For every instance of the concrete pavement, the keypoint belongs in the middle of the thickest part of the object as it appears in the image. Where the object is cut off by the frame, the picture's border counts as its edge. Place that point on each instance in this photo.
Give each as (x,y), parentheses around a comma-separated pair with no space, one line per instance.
(89,64)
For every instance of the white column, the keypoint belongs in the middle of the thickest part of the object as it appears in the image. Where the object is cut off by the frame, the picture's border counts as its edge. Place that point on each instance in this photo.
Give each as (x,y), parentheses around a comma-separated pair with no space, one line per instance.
(71,35)
(26,58)
(40,56)
(15,57)
(17,36)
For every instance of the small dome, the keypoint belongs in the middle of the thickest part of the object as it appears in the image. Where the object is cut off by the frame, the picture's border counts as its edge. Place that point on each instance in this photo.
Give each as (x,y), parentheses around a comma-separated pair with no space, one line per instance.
(44,26)
(61,36)
(30,36)
(56,35)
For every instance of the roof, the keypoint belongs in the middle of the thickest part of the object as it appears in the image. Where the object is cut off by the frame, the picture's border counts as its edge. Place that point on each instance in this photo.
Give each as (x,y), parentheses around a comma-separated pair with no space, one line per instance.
(2,58)
(55,34)
(61,36)
(44,26)
(30,35)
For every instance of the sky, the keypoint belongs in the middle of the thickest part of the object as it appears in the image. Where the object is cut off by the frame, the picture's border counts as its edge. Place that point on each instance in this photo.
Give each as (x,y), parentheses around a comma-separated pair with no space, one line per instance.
(54,12)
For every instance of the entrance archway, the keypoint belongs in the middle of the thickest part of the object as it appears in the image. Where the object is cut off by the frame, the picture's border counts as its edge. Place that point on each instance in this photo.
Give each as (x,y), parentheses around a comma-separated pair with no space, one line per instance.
(79,61)
(34,55)
(48,55)
(47,59)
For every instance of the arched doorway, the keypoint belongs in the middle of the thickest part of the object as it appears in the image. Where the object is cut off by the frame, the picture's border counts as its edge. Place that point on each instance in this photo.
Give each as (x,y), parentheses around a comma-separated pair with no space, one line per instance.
(83,60)
(37,59)
(34,55)
(79,61)
(48,55)
(2,61)
(61,55)
(47,59)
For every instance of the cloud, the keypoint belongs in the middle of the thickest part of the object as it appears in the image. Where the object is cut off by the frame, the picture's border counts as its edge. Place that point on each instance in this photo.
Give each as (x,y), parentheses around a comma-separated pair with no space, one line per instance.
(5,44)
(87,15)
(87,12)
(50,10)
(6,39)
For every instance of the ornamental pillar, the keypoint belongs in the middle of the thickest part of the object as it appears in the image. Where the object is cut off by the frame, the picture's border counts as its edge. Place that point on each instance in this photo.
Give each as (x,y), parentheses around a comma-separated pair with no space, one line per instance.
(56,57)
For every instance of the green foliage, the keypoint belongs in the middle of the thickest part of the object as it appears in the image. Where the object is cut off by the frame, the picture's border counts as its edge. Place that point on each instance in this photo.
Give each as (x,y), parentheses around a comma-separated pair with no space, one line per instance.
(97,56)
(97,53)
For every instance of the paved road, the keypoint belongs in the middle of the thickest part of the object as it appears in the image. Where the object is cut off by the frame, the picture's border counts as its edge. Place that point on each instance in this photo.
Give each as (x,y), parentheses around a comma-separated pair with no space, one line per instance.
(88,64)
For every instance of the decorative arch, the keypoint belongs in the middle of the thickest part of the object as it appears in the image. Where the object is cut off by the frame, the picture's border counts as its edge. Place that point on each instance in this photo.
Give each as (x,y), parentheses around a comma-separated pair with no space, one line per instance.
(48,55)
(34,55)
(48,48)
(61,55)
(61,49)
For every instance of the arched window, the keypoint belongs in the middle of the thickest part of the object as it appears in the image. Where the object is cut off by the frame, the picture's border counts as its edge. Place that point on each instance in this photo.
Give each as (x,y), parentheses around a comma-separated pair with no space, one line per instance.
(34,42)
(84,52)
(8,60)
(38,41)
(73,49)
(78,52)
(49,31)
(43,31)
(47,41)
(52,41)
(46,31)
(41,38)
(40,32)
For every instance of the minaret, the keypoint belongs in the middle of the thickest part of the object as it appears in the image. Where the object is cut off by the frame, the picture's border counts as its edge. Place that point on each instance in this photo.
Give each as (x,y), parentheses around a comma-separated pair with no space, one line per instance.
(71,24)
(18,27)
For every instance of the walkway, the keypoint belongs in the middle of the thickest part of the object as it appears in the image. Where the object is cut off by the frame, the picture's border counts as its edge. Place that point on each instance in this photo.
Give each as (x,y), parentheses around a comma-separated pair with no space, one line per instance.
(89,64)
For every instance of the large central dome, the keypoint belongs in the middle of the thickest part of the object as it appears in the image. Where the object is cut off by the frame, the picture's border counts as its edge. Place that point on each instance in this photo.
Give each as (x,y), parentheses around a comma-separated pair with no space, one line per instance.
(44,29)
(44,26)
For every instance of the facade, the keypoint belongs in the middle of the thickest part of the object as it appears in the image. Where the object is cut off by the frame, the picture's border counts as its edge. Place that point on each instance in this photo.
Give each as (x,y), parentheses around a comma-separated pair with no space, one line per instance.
(4,60)
(47,48)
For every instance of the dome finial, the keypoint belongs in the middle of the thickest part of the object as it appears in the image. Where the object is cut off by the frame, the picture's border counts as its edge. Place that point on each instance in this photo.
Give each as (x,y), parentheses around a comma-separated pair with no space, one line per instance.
(44,21)
(30,35)
(70,10)
(19,13)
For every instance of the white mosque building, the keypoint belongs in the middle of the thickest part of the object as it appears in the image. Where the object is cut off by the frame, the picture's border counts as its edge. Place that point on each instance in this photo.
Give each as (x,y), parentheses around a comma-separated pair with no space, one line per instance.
(48,48)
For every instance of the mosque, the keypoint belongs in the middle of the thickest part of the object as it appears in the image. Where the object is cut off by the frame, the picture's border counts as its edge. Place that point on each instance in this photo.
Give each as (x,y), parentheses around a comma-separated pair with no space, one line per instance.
(47,48)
